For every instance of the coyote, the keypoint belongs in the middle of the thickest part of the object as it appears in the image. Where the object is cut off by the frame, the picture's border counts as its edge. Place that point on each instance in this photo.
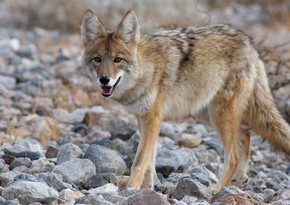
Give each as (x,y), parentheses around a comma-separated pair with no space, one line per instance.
(213,73)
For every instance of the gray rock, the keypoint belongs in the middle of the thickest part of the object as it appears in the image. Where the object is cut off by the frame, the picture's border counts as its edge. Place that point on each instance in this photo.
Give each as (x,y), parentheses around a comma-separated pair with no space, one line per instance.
(77,116)
(268,195)
(116,199)
(2,165)
(7,81)
(9,44)
(100,179)
(68,196)
(120,127)
(3,201)
(147,197)
(67,152)
(115,144)
(28,51)
(54,180)
(41,165)
(105,160)
(25,148)
(96,200)
(170,160)
(166,129)
(7,177)
(28,192)
(105,189)
(286,194)
(190,187)
(76,171)
(198,129)
(214,143)
(21,161)
(271,184)
(203,175)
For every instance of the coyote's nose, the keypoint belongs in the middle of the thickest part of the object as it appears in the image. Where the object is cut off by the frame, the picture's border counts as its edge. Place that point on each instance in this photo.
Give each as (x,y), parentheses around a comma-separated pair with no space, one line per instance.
(104,80)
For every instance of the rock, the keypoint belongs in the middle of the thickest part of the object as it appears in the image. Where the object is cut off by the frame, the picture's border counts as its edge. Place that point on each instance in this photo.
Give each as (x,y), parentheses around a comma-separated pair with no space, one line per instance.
(80,97)
(8,81)
(62,55)
(2,166)
(8,177)
(105,160)
(237,199)
(257,156)
(76,171)
(12,44)
(45,129)
(203,175)
(120,127)
(268,195)
(69,195)
(170,160)
(286,194)
(67,152)
(279,202)
(214,143)
(5,92)
(116,199)
(54,180)
(100,179)
(271,184)
(166,129)
(21,161)
(190,200)
(25,148)
(28,192)
(80,128)
(59,114)
(197,128)
(115,144)
(77,116)
(189,142)
(147,197)
(190,187)
(28,51)
(97,200)
(41,165)
(167,187)
(105,189)
(91,118)
(51,151)
(233,195)
(9,202)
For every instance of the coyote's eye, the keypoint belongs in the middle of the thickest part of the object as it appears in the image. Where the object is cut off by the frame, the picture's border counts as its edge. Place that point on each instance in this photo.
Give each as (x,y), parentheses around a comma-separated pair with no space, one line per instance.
(98,59)
(118,60)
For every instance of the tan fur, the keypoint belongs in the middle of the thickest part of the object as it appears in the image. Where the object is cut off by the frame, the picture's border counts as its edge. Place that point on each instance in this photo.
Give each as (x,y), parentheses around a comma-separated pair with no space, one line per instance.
(211,72)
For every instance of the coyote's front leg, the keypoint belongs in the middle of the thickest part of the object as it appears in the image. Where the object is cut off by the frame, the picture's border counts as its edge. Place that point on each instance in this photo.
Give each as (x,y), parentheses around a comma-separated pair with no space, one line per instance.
(143,168)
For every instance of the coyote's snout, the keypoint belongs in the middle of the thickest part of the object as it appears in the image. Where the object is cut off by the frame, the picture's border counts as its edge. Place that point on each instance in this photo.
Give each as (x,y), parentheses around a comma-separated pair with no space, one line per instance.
(213,73)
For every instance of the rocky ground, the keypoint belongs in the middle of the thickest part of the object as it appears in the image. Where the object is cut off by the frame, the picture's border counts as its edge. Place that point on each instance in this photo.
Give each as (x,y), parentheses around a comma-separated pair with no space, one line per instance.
(61,143)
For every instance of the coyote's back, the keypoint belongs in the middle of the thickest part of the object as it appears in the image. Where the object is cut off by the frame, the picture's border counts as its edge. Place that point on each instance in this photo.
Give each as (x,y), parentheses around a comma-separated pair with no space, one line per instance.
(212,72)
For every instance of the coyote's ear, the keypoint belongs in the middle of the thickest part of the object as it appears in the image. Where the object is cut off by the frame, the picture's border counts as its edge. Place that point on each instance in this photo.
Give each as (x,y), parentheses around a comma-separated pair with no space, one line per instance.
(92,28)
(128,28)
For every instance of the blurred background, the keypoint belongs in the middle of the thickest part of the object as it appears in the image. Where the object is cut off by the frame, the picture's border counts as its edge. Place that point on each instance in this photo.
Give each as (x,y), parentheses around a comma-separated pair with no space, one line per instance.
(66,15)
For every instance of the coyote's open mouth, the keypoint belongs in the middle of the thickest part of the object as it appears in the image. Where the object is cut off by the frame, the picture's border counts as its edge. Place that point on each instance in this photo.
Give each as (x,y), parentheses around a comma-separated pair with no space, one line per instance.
(108,90)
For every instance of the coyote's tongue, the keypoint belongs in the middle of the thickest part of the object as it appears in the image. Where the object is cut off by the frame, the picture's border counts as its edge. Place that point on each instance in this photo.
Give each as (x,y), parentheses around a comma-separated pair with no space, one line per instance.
(107,90)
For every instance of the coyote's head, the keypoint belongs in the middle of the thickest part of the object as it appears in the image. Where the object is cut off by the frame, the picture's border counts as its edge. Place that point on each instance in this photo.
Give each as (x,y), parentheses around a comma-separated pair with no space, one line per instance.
(110,56)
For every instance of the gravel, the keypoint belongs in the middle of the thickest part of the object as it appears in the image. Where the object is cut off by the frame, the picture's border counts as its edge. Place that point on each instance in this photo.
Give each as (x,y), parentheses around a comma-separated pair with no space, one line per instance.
(61,143)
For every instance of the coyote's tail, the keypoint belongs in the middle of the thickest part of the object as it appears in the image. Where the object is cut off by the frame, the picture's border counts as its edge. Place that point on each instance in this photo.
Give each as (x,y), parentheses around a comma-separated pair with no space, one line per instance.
(265,119)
